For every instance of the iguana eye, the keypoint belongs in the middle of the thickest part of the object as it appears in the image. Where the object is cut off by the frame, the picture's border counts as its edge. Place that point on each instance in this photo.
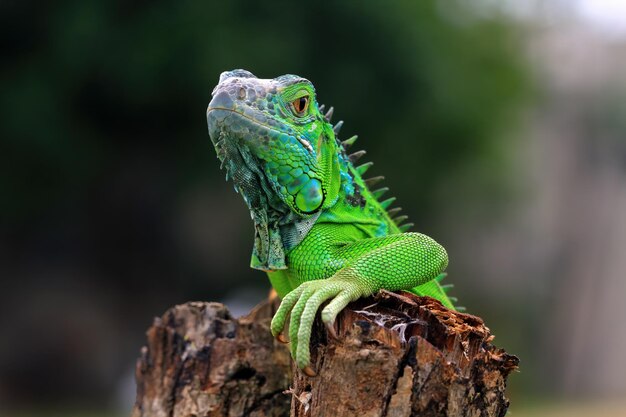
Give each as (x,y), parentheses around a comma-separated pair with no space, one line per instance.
(300,105)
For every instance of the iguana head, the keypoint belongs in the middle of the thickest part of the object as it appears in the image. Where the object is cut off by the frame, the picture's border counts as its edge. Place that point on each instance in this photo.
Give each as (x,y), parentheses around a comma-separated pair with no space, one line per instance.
(275,127)
(280,152)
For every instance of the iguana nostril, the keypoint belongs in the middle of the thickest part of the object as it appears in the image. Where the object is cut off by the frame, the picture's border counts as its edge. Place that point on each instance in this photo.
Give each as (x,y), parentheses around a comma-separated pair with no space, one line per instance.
(222,101)
(242,93)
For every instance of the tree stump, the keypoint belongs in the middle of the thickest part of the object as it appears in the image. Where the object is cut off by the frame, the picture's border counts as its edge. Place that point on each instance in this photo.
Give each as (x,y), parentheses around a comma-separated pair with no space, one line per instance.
(396,354)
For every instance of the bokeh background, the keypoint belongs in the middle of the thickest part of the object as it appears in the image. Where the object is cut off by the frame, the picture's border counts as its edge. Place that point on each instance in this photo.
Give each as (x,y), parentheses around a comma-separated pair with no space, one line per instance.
(499,125)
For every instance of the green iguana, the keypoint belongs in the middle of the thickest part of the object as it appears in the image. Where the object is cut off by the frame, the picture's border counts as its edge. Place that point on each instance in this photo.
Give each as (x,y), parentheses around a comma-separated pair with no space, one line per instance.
(321,232)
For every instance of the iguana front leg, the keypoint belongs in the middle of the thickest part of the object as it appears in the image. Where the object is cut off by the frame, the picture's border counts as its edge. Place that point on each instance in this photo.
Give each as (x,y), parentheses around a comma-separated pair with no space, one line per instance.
(394,262)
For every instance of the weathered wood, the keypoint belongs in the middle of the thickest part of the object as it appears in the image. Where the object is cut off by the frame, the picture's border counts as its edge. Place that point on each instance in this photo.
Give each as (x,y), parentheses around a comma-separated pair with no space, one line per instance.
(200,361)
(395,355)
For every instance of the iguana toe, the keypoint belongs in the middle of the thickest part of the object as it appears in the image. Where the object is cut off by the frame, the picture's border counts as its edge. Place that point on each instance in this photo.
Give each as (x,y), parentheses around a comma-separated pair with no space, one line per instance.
(280,318)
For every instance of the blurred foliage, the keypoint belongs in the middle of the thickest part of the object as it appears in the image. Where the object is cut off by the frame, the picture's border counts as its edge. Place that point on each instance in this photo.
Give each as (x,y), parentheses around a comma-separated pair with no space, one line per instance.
(104,133)
(86,82)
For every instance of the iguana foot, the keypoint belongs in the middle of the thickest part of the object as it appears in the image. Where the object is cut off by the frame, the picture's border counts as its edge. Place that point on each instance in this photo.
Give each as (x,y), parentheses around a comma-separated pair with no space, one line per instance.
(303,303)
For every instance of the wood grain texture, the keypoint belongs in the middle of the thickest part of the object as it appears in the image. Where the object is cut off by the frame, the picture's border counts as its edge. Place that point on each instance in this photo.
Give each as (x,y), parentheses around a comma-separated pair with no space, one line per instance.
(395,355)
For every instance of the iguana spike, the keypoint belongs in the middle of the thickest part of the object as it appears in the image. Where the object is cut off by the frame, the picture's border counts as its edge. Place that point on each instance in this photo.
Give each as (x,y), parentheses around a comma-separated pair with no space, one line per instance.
(406,227)
(400,219)
(460,309)
(349,142)
(329,114)
(387,202)
(321,108)
(392,212)
(362,169)
(447,287)
(373,181)
(441,276)
(337,127)
(380,192)
(356,156)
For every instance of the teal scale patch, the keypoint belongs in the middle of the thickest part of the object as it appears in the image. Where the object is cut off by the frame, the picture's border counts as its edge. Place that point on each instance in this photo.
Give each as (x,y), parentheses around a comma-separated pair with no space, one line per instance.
(382,230)
(347,182)
(310,197)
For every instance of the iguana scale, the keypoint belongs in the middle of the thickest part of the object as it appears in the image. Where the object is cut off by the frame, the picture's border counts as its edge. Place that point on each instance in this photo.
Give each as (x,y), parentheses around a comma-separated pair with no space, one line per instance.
(322,232)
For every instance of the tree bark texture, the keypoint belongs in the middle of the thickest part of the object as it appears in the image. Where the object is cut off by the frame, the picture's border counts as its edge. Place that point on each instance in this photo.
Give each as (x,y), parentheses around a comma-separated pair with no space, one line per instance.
(396,354)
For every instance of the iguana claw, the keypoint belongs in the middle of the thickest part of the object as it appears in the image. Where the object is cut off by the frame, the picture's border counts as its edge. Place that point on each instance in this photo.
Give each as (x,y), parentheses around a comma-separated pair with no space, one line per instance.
(309,371)
(330,328)
(281,338)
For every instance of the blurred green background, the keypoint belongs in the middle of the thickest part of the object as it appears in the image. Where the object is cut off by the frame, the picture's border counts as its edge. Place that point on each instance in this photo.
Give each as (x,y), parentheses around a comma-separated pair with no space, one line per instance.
(500,128)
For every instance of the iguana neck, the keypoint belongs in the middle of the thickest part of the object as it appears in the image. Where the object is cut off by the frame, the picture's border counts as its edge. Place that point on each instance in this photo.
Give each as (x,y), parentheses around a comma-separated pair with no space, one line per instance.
(279,229)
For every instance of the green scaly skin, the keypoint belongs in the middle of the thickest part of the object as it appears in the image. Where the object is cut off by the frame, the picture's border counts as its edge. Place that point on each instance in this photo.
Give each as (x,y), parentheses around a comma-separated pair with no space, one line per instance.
(320,232)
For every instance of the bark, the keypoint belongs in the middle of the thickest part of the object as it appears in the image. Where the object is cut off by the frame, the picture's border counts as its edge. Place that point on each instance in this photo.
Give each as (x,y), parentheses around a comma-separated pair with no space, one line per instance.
(395,355)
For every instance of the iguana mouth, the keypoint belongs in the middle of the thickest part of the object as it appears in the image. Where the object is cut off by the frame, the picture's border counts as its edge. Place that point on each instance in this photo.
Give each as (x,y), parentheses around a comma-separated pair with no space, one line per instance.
(218,122)
(243,115)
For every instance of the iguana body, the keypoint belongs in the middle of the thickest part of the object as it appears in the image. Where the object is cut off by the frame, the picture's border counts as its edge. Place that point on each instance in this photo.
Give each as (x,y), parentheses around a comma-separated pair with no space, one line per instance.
(321,233)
